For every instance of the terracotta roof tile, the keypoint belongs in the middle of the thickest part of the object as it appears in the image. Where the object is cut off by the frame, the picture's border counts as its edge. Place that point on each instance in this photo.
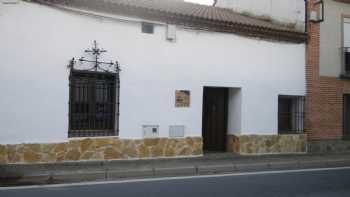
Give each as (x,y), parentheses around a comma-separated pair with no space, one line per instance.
(214,18)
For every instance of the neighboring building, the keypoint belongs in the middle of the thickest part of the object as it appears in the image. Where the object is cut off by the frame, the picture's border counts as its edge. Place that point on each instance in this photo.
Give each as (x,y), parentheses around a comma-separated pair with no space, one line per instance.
(193,78)
(328,69)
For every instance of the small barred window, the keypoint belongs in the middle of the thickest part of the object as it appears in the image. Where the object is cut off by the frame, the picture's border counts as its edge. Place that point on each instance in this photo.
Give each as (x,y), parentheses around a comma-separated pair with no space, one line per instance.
(290,114)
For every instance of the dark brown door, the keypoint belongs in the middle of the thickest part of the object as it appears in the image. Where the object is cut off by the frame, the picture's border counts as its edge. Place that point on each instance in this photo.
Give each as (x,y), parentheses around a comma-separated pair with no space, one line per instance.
(346,120)
(214,118)
(284,115)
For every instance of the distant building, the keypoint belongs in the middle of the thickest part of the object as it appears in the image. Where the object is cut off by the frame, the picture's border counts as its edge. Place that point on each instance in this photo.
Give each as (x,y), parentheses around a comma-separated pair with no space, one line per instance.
(328,69)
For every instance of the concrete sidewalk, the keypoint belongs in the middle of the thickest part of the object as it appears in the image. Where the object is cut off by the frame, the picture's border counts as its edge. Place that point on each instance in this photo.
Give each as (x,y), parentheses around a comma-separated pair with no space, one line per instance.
(218,163)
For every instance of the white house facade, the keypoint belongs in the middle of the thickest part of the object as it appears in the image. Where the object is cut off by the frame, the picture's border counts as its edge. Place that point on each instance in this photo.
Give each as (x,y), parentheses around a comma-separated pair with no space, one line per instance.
(182,88)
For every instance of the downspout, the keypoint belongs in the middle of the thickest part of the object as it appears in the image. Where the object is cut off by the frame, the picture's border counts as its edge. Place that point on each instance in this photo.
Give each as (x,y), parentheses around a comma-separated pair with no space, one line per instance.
(306,15)
(307,20)
(116,127)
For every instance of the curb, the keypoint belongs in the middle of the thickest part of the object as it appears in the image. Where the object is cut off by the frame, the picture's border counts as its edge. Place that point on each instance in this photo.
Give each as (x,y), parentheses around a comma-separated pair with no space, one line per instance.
(215,169)
(124,174)
(179,171)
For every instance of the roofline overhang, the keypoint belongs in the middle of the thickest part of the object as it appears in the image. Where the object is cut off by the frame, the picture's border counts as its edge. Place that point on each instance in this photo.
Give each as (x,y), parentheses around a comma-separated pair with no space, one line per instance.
(189,21)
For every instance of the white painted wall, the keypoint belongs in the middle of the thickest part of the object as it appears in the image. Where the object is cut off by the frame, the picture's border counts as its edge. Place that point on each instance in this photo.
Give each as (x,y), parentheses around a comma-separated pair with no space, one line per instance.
(37,42)
(346,32)
(234,118)
(331,37)
(288,11)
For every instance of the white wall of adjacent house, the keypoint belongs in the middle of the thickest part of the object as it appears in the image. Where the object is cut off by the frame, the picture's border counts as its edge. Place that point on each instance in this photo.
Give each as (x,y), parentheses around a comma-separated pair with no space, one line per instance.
(38,41)
(286,11)
(334,34)
(346,31)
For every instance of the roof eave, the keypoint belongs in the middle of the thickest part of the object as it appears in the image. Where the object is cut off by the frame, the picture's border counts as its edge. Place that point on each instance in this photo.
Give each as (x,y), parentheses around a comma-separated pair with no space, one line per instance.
(190,21)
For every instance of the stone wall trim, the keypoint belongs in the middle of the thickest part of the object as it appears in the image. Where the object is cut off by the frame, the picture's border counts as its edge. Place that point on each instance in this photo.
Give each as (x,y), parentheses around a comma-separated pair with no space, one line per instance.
(96,149)
(267,144)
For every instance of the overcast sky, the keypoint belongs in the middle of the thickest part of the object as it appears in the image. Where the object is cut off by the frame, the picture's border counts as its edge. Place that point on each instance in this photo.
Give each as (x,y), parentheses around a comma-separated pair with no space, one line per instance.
(206,2)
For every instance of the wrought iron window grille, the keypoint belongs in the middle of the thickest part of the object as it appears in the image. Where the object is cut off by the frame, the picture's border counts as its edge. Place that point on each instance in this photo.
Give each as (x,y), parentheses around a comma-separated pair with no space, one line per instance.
(97,65)
(291,114)
(345,56)
(93,96)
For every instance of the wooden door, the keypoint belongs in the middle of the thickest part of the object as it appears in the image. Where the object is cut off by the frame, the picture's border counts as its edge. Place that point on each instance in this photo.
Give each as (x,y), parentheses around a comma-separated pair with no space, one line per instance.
(214,121)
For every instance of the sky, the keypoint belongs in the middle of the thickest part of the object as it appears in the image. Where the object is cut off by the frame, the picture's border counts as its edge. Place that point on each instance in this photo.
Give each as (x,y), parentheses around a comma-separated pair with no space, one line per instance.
(206,2)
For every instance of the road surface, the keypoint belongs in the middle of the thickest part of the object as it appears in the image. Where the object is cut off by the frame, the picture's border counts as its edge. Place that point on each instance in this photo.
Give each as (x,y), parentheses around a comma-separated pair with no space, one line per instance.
(331,182)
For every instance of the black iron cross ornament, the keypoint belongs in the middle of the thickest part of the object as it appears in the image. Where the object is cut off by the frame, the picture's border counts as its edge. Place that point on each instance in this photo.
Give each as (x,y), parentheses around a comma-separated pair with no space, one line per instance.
(97,65)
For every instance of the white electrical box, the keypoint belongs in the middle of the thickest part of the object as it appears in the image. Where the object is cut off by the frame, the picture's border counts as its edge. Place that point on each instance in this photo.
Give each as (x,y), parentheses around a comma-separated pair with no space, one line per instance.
(177,131)
(171,33)
(150,131)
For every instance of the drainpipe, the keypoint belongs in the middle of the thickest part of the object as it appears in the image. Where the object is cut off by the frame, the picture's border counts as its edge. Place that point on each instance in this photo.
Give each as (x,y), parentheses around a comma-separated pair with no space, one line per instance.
(306,15)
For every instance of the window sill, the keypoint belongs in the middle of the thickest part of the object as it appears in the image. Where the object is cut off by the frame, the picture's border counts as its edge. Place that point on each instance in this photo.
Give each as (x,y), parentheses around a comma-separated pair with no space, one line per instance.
(290,133)
(93,137)
(91,133)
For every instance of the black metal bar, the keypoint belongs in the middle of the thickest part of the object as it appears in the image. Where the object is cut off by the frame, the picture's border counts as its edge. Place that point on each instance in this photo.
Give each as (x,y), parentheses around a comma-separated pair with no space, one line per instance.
(322,3)
(345,62)
(116,122)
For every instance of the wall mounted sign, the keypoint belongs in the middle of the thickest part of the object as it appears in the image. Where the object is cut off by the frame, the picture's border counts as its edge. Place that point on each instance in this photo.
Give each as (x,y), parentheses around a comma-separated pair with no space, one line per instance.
(182,98)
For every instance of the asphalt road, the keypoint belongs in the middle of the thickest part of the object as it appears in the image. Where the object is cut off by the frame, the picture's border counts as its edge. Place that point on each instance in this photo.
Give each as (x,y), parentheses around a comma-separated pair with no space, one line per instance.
(318,183)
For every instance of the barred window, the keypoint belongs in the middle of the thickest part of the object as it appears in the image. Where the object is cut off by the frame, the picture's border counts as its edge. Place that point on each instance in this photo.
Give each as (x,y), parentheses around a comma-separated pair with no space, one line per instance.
(290,114)
(92,104)
(345,72)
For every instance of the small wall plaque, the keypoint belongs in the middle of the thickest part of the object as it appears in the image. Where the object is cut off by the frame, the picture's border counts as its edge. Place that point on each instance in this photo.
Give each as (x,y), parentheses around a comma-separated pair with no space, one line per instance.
(182,98)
